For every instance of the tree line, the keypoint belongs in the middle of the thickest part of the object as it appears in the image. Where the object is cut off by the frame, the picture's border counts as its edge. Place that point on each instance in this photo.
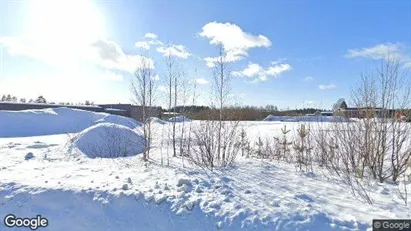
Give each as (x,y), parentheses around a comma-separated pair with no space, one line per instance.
(242,112)
(40,99)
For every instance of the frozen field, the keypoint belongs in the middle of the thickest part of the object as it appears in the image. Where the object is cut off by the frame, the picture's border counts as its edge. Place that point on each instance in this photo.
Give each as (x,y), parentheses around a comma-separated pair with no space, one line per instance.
(76,192)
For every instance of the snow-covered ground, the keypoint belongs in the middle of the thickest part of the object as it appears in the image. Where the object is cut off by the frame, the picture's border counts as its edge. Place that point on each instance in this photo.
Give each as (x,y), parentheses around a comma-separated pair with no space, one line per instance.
(313,118)
(76,192)
(54,121)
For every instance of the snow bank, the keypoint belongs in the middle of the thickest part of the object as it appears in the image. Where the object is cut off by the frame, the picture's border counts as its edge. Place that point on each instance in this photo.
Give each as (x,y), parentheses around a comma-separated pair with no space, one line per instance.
(96,211)
(54,121)
(120,120)
(179,119)
(108,140)
(156,120)
(306,118)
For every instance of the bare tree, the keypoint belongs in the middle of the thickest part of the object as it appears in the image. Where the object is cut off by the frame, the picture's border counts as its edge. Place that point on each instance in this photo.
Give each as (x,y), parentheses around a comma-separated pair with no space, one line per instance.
(376,147)
(222,89)
(384,95)
(171,82)
(193,101)
(143,89)
(217,137)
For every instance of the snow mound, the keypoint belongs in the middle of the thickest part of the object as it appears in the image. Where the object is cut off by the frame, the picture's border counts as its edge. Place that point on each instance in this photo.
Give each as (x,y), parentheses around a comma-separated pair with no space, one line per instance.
(53,121)
(306,118)
(179,119)
(108,140)
(156,120)
(120,120)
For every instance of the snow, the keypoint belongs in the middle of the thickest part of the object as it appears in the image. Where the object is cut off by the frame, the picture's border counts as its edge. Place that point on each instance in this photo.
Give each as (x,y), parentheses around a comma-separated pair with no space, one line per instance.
(155,120)
(305,118)
(121,120)
(54,121)
(125,193)
(108,140)
(179,119)
(115,109)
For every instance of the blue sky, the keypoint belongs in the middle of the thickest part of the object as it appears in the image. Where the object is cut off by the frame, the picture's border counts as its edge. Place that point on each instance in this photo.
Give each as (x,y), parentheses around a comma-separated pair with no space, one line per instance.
(284,53)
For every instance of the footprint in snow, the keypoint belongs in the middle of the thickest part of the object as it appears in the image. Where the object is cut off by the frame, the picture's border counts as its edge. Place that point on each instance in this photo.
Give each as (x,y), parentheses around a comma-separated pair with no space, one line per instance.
(39,146)
(385,191)
(225,179)
(29,156)
(304,197)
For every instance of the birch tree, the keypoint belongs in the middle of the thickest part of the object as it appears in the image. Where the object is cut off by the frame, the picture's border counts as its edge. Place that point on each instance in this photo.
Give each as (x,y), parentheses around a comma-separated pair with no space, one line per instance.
(143,91)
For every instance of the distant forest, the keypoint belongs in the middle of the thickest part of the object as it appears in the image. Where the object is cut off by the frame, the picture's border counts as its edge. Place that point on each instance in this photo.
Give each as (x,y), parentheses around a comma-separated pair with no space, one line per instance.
(196,112)
(241,112)
(39,99)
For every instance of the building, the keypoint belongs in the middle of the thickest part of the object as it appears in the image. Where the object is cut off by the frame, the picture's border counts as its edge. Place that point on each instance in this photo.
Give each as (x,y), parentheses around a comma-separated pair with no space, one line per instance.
(132,111)
(127,110)
(341,109)
(327,113)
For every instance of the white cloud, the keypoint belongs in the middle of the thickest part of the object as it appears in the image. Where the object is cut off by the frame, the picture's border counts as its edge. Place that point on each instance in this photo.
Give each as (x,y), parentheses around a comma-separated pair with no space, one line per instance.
(382,51)
(49,53)
(167,50)
(174,50)
(228,58)
(278,69)
(251,70)
(111,76)
(150,36)
(326,86)
(234,40)
(282,60)
(257,72)
(147,44)
(109,55)
(143,44)
(308,79)
(105,53)
(201,81)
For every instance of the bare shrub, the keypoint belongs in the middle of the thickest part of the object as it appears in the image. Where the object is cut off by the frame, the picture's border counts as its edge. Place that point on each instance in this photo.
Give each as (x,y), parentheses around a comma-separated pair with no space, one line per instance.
(217,137)
(206,153)
(376,147)
(402,190)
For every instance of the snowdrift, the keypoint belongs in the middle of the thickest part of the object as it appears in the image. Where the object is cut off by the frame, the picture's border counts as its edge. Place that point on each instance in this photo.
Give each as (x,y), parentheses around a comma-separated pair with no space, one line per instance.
(108,140)
(156,120)
(99,211)
(121,120)
(54,121)
(102,211)
(306,118)
(179,119)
